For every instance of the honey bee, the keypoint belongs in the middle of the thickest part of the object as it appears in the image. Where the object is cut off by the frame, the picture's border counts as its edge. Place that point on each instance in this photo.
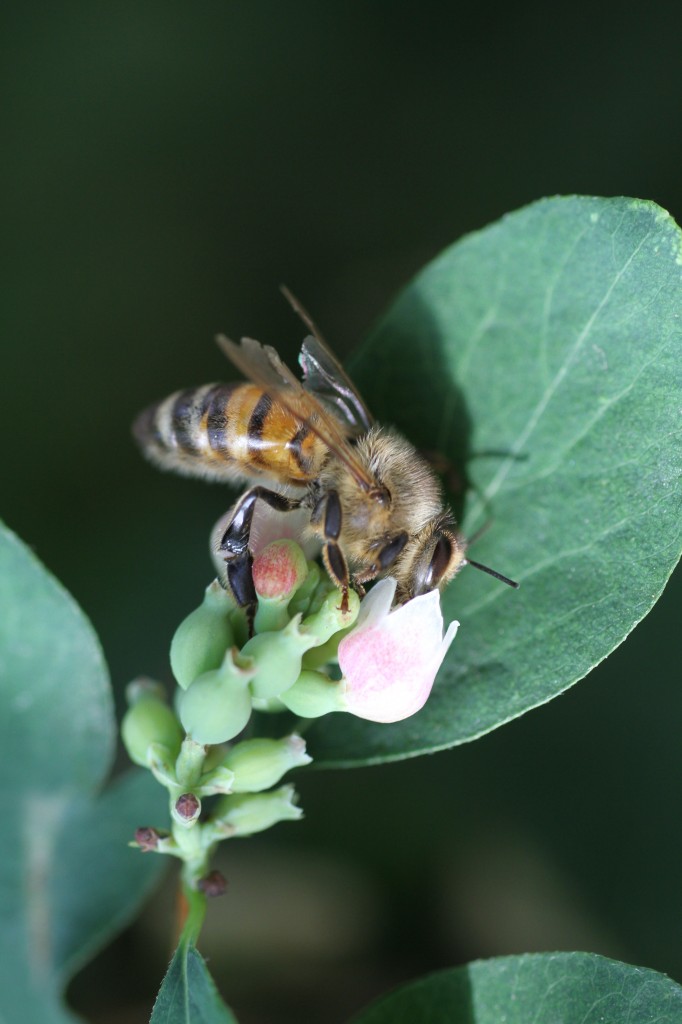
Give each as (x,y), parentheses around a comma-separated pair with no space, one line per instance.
(371,499)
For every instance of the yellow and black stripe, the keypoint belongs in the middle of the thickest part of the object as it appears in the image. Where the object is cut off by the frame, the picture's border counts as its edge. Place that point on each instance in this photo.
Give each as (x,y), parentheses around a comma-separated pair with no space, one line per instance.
(225,431)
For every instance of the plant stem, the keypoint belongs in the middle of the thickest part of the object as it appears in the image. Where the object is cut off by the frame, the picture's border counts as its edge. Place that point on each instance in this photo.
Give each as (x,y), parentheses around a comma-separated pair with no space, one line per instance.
(194,908)
(190,763)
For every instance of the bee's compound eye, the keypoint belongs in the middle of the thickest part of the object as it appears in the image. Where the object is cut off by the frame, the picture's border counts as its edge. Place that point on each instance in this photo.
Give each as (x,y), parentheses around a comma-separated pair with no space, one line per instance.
(390,551)
(440,560)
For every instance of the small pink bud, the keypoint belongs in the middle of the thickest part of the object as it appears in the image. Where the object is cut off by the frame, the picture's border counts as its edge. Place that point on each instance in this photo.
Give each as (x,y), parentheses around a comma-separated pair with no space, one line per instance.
(279,569)
(188,807)
(147,838)
(267,525)
(214,884)
(390,659)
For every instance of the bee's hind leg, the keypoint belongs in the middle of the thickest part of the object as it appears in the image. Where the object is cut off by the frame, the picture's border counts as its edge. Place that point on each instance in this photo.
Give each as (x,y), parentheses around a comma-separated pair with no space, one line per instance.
(234,545)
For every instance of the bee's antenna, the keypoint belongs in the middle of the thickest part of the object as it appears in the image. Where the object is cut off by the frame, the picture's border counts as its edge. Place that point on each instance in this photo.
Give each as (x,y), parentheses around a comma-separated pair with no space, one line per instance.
(491,572)
(300,310)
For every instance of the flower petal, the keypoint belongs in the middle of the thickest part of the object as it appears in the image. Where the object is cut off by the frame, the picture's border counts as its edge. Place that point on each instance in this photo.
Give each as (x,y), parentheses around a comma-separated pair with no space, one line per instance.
(377,604)
(389,664)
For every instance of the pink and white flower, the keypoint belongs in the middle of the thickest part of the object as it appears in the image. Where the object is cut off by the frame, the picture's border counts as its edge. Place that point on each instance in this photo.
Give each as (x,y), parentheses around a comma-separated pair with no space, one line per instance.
(390,659)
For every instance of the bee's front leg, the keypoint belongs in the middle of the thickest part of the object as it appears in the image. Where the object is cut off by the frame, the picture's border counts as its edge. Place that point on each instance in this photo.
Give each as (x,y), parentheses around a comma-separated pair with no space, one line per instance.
(235,545)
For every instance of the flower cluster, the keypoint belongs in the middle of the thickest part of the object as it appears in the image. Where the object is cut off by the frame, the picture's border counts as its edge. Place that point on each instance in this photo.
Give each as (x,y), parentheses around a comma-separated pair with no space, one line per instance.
(307,655)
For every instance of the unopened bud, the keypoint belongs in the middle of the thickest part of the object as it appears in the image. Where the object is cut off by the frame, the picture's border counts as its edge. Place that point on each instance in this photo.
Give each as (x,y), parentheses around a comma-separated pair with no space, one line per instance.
(313,695)
(329,618)
(217,705)
(213,884)
(327,653)
(246,813)
(300,602)
(278,572)
(155,840)
(324,587)
(147,838)
(260,763)
(200,641)
(215,782)
(148,721)
(277,658)
(161,763)
(187,809)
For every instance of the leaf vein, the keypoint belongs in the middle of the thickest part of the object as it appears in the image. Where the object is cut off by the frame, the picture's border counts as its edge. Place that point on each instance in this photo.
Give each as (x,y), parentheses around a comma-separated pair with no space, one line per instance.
(535,416)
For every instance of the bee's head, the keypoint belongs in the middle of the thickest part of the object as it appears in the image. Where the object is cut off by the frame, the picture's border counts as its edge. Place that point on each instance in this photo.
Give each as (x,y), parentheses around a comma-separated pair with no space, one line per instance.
(437,558)
(428,560)
(432,559)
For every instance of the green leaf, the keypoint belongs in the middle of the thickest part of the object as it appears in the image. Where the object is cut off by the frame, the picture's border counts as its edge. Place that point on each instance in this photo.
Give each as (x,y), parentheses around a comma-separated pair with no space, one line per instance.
(188,994)
(68,877)
(543,356)
(98,881)
(555,988)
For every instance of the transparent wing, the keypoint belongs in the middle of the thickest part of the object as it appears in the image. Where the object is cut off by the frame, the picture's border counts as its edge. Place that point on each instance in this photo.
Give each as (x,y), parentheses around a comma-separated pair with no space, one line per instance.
(262,365)
(325,376)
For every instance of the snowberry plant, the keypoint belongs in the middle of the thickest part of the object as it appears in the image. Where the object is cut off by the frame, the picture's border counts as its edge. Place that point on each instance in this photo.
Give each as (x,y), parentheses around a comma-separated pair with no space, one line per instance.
(551,339)
(389,660)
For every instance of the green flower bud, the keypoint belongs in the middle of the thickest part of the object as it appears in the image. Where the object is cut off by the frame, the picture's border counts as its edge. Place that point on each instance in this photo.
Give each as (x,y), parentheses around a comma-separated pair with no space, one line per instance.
(270,705)
(189,765)
(217,705)
(215,756)
(324,587)
(300,602)
(218,781)
(277,658)
(246,813)
(329,618)
(278,571)
(326,653)
(313,695)
(200,641)
(149,720)
(240,627)
(260,763)
(161,763)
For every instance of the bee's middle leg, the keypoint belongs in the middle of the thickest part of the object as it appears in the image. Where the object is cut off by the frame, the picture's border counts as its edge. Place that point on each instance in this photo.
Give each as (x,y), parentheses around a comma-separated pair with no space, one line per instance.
(333,556)
(235,545)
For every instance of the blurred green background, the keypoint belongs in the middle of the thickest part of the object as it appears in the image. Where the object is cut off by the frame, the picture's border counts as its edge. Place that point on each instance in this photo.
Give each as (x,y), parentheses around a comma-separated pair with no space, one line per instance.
(165,166)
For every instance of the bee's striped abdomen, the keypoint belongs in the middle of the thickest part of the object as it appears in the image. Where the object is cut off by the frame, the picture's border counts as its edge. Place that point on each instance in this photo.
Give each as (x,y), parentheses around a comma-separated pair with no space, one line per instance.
(226,431)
